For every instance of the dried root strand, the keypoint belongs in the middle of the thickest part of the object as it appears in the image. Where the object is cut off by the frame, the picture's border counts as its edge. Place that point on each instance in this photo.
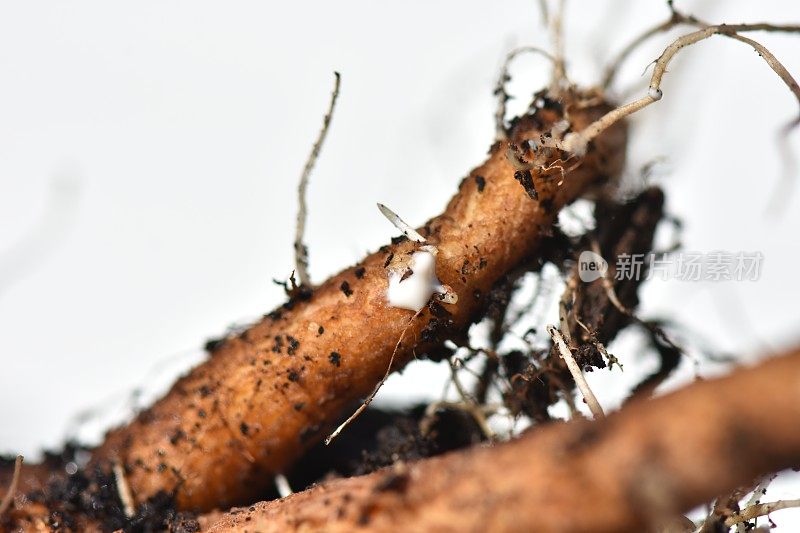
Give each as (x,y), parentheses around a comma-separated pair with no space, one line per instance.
(402,225)
(789,163)
(300,249)
(8,499)
(577,374)
(760,509)
(559,80)
(676,19)
(124,491)
(553,22)
(501,130)
(368,400)
(467,404)
(723,506)
(578,142)
(613,68)
(544,12)
(729,511)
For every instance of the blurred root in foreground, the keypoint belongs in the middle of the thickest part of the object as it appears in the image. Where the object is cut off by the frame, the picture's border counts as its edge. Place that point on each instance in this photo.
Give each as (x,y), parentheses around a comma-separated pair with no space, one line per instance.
(639,468)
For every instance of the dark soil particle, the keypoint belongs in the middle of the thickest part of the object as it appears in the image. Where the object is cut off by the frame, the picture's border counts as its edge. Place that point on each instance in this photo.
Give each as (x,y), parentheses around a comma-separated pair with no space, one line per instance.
(293,345)
(360,271)
(294,376)
(589,357)
(430,332)
(303,293)
(321,330)
(278,345)
(388,260)
(212,345)
(335,358)
(176,437)
(481,182)
(438,310)
(244,428)
(525,178)
(345,288)
(439,352)
(549,103)
(393,482)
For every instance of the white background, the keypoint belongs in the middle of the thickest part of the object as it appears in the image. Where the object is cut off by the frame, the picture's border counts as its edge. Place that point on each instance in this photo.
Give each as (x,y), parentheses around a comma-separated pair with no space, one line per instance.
(149,154)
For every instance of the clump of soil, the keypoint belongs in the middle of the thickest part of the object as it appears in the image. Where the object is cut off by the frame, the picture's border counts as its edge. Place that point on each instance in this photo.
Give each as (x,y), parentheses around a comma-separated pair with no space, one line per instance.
(381,437)
(74,495)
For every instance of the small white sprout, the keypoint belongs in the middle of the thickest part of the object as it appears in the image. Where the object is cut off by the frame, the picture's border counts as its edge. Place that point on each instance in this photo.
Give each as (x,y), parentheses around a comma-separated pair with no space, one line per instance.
(282,484)
(412,280)
(655,93)
(401,224)
(412,285)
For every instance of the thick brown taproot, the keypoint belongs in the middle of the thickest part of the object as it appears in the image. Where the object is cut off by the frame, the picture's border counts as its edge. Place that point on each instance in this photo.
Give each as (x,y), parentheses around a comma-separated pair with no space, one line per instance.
(267,394)
(633,471)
